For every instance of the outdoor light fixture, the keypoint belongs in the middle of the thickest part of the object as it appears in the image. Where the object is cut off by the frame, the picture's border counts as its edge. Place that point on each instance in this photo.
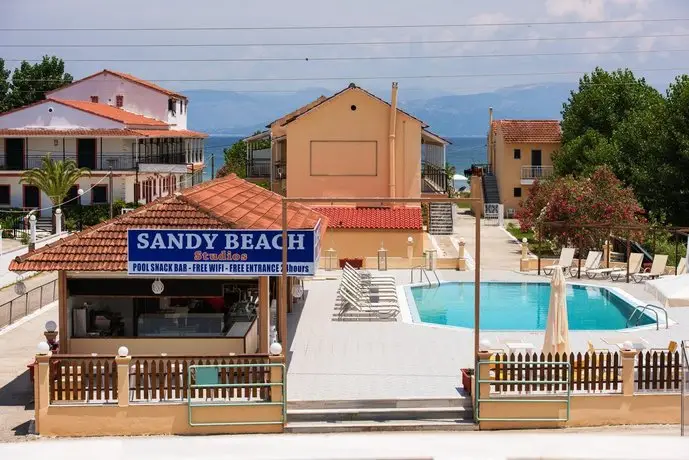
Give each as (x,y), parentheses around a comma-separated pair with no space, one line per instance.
(485,345)
(382,258)
(50,326)
(123,351)
(628,346)
(297,291)
(157,287)
(43,348)
(275,348)
(330,259)
(410,240)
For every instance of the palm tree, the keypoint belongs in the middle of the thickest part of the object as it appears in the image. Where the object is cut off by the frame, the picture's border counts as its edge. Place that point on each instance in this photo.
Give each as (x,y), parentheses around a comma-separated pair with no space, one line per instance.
(55,178)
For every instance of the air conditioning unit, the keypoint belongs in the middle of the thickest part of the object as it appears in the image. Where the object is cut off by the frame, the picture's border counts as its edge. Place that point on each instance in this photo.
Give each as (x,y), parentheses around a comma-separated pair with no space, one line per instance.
(510,213)
(126,210)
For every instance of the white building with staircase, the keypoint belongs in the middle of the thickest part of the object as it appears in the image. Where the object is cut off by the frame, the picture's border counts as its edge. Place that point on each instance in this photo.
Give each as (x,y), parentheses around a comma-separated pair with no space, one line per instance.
(112,123)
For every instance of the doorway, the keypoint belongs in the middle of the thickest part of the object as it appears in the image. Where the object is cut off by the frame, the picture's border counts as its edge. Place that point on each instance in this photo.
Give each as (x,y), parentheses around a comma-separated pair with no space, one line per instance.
(14,153)
(536,158)
(32,197)
(86,153)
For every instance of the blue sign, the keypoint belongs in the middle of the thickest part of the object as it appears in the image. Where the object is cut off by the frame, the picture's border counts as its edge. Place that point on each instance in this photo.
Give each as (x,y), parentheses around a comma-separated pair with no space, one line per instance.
(221,252)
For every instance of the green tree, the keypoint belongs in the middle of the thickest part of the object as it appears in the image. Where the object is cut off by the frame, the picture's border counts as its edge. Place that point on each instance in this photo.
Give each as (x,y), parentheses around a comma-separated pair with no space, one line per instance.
(4,86)
(235,157)
(30,82)
(54,178)
(675,165)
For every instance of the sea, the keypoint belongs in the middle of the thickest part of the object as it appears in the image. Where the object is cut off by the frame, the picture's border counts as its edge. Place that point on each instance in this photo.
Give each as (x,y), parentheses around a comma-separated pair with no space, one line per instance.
(462,153)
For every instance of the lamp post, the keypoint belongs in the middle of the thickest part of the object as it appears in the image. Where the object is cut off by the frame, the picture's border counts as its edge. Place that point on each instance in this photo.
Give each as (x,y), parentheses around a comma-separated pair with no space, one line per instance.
(81,223)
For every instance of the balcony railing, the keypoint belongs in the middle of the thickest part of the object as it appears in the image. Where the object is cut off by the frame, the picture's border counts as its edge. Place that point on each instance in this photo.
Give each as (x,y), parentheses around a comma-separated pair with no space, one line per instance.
(479,169)
(101,161)
(435,176)
(536,172)
(258,167)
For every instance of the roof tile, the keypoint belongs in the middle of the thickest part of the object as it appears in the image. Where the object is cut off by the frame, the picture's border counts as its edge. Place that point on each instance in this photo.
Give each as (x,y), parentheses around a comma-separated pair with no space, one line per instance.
(103,247)
(113,113)
(529,131)
(373,218)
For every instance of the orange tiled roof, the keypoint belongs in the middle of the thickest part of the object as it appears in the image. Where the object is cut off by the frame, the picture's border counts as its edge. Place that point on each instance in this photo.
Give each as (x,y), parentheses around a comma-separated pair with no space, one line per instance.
(53,132)
(113,113)
(168,133)
(228,202)
(529,131)
(372,218)
(282,121)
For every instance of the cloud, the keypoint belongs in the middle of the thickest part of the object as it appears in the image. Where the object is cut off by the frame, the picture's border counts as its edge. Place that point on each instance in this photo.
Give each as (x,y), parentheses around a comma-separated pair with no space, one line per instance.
(588,10)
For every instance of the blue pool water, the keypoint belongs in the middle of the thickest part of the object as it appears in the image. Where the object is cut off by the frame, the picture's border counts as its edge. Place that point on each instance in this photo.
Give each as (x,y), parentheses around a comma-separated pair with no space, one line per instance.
(519,306)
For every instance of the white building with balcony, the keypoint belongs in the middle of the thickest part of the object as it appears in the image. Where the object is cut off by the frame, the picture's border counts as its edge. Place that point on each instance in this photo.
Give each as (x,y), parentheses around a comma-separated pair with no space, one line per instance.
(111,123)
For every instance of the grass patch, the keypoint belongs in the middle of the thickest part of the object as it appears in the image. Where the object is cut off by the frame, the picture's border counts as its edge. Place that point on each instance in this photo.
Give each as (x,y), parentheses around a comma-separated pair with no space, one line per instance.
(544,247)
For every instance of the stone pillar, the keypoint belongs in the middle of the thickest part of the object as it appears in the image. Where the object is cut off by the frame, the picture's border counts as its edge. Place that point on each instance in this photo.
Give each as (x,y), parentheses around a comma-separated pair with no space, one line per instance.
(628,372)
(58,221)
(123,363)
(41,388)
(32,233)
(606,254)
(524,261)
(483,373)
(275,377)
(410,251)
(461,255)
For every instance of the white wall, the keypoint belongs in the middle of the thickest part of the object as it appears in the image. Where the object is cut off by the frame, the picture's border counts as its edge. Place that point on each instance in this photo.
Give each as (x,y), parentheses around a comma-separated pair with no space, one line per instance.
(137,98)
(61,117)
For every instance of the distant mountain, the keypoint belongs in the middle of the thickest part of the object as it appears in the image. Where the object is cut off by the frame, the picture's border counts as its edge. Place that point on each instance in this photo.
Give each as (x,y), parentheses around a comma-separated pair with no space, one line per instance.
(226,112)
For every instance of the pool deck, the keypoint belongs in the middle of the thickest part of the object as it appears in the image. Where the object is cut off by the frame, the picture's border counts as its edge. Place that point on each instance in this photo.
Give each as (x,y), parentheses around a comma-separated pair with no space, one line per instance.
(333,360)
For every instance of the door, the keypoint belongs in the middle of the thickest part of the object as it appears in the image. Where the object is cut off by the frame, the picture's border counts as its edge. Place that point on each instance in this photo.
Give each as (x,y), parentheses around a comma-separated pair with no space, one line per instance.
(32,197)
(536,164)
(86,153)
(14,153)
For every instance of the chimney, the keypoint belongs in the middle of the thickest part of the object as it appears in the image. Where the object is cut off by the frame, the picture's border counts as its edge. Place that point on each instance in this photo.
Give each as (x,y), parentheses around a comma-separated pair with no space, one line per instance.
(393,123)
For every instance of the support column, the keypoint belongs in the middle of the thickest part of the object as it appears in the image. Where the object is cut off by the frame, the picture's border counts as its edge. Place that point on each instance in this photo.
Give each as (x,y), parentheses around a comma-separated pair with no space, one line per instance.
(123,363)
(628,372)
(263,314)
(63,316)
(41,388)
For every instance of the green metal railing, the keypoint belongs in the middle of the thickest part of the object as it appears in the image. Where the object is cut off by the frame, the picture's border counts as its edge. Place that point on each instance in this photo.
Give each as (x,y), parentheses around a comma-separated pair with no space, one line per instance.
(478,400)
(207,376)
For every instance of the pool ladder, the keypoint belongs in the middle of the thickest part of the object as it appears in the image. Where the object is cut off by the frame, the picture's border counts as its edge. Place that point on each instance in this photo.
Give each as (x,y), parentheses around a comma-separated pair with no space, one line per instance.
(423,272)
(651,308)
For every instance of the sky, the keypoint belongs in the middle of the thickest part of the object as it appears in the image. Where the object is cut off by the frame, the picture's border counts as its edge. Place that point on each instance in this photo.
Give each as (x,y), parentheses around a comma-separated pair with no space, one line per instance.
(480,53)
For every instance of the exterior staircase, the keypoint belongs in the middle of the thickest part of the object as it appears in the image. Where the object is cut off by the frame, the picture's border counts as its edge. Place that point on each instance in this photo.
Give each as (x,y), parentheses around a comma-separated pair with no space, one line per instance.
(491,193)
(440,219)
(380,415)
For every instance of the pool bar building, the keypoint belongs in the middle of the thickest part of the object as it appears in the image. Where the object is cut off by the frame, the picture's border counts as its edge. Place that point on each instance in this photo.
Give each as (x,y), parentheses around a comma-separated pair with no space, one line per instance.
(177,302)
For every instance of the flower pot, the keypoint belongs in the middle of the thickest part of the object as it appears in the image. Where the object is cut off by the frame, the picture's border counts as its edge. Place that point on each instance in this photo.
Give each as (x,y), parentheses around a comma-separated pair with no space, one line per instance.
(467,375)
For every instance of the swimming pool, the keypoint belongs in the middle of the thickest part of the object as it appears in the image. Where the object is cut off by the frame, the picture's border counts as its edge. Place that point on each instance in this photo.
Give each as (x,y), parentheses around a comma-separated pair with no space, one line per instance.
(519,306)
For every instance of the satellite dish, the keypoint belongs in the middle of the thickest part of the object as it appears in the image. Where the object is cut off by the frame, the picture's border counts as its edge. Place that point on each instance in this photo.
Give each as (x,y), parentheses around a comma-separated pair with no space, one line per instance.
(20,288)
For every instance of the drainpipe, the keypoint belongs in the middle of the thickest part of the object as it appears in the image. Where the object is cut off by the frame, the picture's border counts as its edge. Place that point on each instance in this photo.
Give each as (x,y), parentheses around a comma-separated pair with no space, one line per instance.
(490,136)
(393,122)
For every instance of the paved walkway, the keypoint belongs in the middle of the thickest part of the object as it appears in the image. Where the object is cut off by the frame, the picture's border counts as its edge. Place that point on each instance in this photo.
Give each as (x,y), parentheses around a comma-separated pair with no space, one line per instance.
(407,445)
(18,344)
(499,251)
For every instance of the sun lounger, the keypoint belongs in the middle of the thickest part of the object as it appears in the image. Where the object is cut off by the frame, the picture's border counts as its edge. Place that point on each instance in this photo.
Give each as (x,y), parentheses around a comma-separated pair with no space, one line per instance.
(371,287)
(635,261)
(366,278)
(682,266)
(566,258)
(352,301)
(592,262)
(657,269)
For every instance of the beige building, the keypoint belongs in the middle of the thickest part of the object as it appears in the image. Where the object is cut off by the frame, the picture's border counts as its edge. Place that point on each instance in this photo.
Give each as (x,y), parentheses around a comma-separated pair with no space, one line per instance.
(355,144)
(519,153)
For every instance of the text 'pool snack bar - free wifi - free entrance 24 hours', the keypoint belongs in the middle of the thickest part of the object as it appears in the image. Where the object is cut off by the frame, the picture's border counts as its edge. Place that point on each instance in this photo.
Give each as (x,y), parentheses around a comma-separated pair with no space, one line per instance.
(221,252)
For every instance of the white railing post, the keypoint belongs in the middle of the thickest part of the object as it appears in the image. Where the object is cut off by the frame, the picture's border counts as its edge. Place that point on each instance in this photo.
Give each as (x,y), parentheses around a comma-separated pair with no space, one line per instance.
(32,232)
(58,221)
(501,215)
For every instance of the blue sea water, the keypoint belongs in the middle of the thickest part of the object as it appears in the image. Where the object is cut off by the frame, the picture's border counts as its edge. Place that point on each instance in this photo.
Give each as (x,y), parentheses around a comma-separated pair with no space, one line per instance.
(520,306)
(462,153)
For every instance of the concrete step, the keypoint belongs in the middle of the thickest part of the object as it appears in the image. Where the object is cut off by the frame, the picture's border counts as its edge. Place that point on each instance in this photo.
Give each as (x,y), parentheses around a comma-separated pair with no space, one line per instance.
(392,425)
(457,402)
(379,414)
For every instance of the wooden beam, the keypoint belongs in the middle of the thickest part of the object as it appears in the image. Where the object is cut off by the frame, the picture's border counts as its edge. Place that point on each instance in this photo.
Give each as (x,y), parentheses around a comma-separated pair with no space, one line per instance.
(62,313)
(263,314)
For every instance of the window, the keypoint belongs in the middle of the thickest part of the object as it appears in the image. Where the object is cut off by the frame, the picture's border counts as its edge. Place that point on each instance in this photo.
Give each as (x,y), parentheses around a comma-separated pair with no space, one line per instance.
(172,105)
(517,154)
(119,100)
(94,99)
(4,195)
(99,194)
(517,192)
